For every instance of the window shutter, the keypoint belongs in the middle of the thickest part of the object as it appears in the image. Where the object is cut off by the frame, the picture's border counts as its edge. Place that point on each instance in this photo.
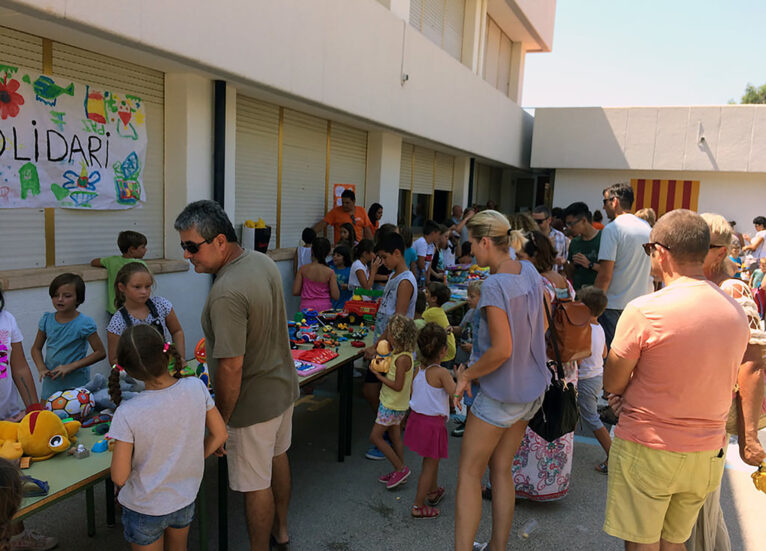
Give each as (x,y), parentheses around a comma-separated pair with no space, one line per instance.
(492,52)
(304,153)
(432,25)
(504,64)
(405,169)
(81,235)
(423,171)
(444,171)
(256,162)
(416,14)
(348,160)
(453,28)
(23,230)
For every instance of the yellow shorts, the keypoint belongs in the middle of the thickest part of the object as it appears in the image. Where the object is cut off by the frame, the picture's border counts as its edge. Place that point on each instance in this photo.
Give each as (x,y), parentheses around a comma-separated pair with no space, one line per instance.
(657,494)
(250,451)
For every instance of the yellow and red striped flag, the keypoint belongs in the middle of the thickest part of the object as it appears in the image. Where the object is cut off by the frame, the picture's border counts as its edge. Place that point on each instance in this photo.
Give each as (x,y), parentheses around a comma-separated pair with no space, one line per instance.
(665,195)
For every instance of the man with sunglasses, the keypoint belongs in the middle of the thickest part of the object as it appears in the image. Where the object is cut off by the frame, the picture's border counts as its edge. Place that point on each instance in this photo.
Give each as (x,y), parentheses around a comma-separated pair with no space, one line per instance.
(347,213)
(624,269)
(248,352)
(542,215)
(582,261)
(672,367)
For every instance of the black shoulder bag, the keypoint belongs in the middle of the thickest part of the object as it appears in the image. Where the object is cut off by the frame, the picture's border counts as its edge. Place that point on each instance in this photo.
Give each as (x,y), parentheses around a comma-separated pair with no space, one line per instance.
(559,413)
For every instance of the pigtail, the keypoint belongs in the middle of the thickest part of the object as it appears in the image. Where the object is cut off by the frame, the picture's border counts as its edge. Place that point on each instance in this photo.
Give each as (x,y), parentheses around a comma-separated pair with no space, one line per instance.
(115,392)
(175,361)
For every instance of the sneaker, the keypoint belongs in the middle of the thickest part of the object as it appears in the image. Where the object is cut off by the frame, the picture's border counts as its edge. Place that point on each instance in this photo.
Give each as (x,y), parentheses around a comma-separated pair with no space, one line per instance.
(375,454)
(479,546)
(29,540)
(384,478)
(458,431)
(397,478)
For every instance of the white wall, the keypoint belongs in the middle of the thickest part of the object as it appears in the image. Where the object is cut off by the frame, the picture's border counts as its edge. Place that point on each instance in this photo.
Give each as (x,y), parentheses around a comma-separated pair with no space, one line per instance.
(736,196)
(652,138)
(345,55)
(186,290)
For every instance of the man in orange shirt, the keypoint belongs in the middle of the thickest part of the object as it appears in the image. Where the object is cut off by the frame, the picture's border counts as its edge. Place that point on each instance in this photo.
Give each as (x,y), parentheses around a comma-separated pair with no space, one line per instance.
(674,364)
(349,213)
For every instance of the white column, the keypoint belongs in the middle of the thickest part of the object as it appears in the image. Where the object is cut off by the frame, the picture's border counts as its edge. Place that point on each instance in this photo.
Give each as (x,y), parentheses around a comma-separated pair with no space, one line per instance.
(188,148)
(384,158)
(460,186)
(516,82)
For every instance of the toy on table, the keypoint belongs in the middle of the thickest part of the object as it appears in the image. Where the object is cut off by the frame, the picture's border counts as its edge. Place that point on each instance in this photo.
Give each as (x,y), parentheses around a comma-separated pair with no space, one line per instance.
(129,387)
(358,344)
(33,487)
(106,444)
(759,477)
(305,369)
(79,451)
(316,355)
(358,310)
(76,403)
(199,351)
(97,420)
(40,435)
(382,360)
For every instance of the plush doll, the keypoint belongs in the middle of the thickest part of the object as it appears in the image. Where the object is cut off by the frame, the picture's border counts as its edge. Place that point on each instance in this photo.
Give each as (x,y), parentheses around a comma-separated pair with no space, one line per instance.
(40,435)
(382,361)
(97,386)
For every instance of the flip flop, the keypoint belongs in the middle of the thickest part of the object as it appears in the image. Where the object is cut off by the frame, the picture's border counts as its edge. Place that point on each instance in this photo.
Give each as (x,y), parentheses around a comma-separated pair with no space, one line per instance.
(602,468)
(435,497)
(424,512)
(486,493)
(276,546)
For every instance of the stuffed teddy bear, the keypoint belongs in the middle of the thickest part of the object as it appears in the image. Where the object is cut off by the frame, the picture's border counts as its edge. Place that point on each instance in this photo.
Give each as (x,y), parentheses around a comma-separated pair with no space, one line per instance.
(40,435)
(382,361)
(98,387)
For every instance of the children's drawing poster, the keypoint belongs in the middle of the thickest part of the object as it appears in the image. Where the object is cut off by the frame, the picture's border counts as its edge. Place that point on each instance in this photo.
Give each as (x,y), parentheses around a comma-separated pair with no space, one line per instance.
(68,144)
(338,189)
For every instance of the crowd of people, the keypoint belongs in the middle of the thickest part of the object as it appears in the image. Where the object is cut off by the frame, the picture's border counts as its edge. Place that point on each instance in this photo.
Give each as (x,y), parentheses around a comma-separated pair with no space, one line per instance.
(676,348)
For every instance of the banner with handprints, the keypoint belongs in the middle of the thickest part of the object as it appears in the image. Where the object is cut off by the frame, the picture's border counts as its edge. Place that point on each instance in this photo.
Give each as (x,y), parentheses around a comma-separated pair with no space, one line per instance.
(68,144)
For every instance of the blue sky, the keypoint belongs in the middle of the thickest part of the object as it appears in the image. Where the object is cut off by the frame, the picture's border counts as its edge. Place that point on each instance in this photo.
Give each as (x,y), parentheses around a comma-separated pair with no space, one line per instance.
(649,52)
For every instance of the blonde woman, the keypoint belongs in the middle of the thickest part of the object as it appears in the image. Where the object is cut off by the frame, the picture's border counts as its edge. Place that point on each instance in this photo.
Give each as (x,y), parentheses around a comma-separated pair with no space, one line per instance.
(508,361)
(710,531)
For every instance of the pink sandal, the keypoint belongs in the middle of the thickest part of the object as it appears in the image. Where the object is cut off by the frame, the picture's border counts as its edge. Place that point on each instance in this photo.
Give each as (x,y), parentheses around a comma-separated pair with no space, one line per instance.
(424,512)
(435,497)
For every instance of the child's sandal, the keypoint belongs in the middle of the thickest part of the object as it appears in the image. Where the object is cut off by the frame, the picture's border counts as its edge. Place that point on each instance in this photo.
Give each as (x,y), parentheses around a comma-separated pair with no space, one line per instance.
(435,497)
(424,512)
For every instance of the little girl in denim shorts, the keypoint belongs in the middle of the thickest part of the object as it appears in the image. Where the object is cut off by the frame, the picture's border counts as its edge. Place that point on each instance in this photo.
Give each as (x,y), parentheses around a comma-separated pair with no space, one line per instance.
(157,463)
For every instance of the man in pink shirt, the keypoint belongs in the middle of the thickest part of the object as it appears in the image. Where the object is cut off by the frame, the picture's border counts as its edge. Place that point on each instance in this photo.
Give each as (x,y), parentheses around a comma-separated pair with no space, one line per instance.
(674,363)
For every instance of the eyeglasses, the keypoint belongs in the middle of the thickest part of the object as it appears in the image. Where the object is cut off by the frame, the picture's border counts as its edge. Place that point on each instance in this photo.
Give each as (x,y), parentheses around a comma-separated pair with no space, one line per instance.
(539,220)
(608,199)
(193,247)
(649,247)
(573,223)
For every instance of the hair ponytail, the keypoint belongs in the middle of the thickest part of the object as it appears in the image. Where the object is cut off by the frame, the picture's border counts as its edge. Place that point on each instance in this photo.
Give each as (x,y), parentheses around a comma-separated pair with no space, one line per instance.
(175,360)
(115,392)
(492,225)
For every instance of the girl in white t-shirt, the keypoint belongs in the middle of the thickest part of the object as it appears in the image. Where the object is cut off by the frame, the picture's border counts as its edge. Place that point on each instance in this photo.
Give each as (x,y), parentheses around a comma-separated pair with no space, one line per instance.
(14,369)
(365,266)
(158,501)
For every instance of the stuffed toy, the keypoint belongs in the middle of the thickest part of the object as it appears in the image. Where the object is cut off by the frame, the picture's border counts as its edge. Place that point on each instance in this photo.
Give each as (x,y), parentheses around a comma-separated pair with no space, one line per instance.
(98,387)
(382,361)
(40,435)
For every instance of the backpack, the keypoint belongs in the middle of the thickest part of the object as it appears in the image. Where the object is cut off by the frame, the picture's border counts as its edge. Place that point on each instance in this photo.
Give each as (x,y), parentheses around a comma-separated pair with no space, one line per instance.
(156,322)
(571,330)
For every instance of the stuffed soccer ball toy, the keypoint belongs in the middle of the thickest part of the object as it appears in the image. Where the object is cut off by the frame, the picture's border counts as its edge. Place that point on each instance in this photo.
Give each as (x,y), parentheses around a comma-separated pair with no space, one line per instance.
(76,403)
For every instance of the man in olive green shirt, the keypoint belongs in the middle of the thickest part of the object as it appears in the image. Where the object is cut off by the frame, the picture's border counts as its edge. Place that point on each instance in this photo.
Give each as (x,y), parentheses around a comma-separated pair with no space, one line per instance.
(248,352)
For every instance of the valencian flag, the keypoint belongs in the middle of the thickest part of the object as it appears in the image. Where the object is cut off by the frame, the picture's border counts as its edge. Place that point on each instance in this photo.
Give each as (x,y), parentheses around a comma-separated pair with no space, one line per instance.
(665,195)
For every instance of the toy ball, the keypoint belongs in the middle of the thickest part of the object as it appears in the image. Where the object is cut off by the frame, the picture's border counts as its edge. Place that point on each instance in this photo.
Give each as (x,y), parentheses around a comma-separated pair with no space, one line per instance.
(76,403)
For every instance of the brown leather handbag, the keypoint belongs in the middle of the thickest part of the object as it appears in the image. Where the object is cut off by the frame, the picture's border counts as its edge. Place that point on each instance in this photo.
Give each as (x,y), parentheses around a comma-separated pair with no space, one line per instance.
(571,330)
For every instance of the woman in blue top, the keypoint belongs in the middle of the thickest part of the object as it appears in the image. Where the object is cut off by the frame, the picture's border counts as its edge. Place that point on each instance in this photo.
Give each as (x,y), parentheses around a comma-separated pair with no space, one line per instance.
(67,333)
(510,367)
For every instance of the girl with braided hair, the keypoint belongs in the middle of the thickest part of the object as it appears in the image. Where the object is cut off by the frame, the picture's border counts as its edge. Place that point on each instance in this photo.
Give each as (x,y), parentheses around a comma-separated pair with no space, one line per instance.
(159,467)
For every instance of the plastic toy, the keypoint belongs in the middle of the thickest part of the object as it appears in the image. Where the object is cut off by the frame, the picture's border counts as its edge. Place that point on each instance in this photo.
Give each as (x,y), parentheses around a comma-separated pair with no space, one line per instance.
(100,447)
(358,344)
(382,360)
(759,477)
(199,351)
(80,452)
(40,435)
(358,310)
(76,403)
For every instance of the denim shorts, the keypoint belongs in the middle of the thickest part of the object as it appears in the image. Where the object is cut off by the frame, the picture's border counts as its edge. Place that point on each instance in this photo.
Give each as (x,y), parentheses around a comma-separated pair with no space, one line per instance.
(588,391)
(142,529)
(502,414)
(468,400)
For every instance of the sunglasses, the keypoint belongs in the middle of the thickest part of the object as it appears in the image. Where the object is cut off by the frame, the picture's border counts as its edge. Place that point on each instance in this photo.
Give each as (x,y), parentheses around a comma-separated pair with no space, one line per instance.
(193,247)
(649,247)
(573,223)
(607,200)
(538,220)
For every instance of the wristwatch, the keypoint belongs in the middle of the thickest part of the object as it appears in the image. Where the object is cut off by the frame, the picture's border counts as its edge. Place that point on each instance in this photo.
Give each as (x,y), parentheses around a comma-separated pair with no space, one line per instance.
(590,266)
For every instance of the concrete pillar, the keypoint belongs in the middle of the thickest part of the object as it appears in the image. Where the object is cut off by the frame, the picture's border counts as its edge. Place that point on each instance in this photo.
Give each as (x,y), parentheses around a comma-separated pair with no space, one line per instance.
(507,202)
(473,34)
(384,158)
(460,186)
(188,148)
(400,8)
(516,82)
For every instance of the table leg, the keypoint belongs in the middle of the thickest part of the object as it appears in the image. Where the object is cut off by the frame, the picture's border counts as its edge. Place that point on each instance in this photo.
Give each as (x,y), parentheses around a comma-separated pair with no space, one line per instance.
(109,490)
(202,508)
(349,391)
(345,397)
(90,509)
(223,513)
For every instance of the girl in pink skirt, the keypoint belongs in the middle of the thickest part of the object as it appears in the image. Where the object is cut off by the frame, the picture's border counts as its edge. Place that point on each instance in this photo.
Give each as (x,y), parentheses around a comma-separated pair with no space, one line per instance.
(426,432)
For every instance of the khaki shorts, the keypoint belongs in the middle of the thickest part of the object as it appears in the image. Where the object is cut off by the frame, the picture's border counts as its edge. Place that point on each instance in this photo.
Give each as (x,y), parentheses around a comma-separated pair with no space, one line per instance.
(657,494)
(250,451)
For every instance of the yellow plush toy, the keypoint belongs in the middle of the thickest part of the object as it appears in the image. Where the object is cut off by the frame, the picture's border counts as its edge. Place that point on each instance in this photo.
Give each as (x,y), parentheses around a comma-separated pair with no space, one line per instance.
(382,361)
(40,435)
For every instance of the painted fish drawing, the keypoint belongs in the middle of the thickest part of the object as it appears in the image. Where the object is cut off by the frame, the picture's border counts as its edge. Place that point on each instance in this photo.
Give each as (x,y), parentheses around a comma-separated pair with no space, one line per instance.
(48,91)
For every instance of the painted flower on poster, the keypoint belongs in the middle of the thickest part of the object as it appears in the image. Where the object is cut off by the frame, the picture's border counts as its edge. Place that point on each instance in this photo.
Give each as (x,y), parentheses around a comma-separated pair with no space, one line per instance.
(10,101)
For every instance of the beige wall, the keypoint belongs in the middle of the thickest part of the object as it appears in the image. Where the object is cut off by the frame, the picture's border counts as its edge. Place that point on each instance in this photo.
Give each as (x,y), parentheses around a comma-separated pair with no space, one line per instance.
(652,138)
(736,196)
